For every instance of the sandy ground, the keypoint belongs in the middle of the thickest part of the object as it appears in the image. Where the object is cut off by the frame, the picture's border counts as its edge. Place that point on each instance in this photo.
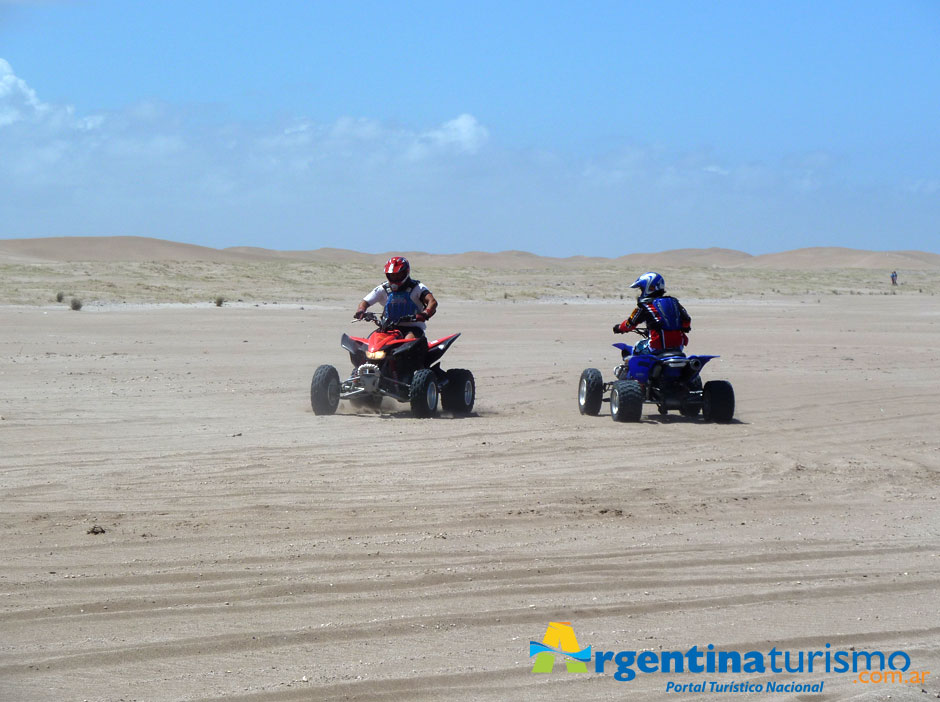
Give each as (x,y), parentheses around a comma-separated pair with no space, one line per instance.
(255,551)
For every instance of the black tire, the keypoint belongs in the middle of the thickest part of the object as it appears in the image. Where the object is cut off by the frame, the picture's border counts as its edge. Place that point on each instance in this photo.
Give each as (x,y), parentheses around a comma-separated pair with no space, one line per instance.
(324,390)
(688,409)
(718,401)
(626,401)
(590,391)
(460,392)
(424,393)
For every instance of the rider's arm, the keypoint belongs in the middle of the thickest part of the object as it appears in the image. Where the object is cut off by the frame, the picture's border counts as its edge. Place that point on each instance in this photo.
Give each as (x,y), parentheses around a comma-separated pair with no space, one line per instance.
(375,296)
(430,304)
(631,322)
(685,319)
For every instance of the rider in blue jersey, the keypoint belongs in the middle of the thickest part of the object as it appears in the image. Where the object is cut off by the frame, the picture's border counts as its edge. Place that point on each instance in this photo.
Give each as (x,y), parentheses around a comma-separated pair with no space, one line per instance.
(666,319)
(401,297)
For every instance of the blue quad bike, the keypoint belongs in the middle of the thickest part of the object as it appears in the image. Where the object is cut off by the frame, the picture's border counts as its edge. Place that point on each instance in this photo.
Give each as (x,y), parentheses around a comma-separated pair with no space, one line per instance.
(670,380)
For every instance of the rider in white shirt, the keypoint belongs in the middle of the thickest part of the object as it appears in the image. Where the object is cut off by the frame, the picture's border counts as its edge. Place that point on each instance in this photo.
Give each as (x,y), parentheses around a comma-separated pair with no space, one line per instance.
(401,297)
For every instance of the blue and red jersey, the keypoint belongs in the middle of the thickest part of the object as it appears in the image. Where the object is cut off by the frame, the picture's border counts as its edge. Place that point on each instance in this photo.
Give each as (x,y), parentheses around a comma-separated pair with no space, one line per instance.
(665,318)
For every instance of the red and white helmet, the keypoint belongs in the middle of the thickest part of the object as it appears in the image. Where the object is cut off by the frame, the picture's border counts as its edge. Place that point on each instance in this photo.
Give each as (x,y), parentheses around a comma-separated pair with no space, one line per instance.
(397,271)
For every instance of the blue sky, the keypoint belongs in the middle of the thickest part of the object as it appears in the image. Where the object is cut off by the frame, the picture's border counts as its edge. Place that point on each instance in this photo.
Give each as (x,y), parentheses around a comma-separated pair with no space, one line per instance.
(568,128)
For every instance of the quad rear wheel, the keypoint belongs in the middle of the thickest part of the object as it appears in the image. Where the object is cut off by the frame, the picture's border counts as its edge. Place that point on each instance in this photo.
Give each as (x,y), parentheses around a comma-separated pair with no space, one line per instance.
(459,394)
(590,391)
(626,401)
(718,401)
(424,393)
(324,390)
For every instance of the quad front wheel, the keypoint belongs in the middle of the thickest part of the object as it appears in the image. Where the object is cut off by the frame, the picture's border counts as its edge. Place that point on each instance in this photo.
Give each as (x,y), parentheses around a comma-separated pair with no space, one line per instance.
(324,390)
(424,393)
(460,392)
(718,401)
(590,391)
(626,401)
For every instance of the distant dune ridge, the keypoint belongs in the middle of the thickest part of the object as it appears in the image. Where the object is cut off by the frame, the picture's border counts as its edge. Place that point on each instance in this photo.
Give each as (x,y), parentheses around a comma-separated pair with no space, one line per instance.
(112,249)
(134,248)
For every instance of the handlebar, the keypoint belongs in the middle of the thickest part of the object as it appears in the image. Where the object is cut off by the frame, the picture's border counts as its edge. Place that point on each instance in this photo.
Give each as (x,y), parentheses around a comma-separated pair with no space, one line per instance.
(382,322)
(645,333)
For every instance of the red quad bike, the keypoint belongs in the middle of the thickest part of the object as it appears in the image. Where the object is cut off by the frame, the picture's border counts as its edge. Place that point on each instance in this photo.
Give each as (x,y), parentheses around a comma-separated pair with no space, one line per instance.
(389,365)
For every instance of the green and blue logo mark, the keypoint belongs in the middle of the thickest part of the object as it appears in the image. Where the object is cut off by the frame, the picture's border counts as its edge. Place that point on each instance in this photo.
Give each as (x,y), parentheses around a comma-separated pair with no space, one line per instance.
(559,640)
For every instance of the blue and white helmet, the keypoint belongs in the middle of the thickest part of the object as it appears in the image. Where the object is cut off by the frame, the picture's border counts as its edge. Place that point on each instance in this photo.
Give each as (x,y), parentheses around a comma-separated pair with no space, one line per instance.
(649,284)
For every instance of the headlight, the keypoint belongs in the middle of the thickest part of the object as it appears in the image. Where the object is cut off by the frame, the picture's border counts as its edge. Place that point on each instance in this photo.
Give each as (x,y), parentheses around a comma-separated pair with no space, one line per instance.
(375,355)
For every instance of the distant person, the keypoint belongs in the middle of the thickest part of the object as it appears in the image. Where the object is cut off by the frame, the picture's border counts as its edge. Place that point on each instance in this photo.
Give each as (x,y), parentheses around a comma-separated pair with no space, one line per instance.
(894,277)
(665,318)
(401,297)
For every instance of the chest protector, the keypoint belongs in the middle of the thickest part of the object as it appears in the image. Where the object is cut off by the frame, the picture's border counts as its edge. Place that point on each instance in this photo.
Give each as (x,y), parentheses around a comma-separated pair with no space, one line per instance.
(399,303)
(666,312)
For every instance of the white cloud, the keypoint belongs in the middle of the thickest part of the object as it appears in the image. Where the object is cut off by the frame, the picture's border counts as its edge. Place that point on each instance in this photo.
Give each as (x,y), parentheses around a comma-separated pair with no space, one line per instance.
(17,100)
(358,182)
(464,134)
(370,141)
(717,170)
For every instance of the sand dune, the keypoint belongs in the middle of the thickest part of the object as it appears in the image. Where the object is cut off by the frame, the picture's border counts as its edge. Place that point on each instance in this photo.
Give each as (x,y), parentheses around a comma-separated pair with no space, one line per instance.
(503,260)
(834,257)
(680,258)
(112,249)
(130,248)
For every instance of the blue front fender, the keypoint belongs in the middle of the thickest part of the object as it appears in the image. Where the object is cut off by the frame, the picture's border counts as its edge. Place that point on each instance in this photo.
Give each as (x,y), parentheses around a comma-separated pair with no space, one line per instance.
(625,349)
